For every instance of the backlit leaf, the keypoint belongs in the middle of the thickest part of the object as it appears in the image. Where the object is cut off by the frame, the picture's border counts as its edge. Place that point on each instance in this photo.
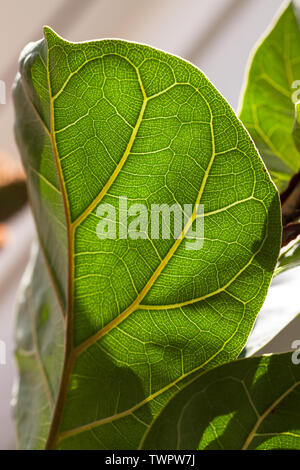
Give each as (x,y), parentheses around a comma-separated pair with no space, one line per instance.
(100,121)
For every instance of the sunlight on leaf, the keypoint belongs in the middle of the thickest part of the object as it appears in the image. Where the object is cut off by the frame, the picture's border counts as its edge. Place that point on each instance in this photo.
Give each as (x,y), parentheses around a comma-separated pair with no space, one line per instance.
(103,120)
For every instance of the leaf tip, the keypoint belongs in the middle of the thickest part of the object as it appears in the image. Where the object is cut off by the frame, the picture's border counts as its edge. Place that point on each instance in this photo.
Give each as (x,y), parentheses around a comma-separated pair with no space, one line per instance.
(51,36)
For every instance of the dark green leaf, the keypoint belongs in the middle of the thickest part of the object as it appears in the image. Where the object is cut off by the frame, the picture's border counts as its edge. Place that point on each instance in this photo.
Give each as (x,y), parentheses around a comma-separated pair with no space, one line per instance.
(247,404)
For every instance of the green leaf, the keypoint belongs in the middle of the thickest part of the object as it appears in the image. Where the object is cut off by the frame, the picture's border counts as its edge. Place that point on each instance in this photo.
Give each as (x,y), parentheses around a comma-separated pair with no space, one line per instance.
(271,117)
(269,111)
(247,404)
(39,354)
(102,120)
(272,86)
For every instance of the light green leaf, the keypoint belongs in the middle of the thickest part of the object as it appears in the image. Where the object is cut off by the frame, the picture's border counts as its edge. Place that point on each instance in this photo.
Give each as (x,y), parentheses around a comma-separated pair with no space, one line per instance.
(108,119)
(39,354)
(269,108)
(247,404)
(272,87)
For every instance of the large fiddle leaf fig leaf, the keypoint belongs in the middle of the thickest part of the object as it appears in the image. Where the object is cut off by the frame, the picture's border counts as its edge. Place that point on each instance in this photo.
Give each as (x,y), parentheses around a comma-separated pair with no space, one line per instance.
(247,404)
(102,121)
(272,87)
